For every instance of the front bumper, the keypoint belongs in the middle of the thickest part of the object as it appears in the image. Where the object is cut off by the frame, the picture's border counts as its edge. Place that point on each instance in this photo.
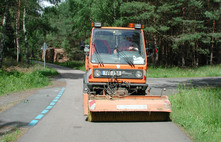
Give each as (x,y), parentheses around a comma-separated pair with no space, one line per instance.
(131,85)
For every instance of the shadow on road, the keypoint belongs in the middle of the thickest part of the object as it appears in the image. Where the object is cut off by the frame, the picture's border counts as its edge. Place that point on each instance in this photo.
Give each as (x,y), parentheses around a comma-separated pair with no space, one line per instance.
(51,65)
(71,75)
(8,127)
(14,123)
(199,82)
(211,82)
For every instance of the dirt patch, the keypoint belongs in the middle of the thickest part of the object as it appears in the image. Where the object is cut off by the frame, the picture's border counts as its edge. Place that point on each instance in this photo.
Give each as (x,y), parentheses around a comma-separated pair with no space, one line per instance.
(12,133)
(9,100)
(24,68)
(23,131)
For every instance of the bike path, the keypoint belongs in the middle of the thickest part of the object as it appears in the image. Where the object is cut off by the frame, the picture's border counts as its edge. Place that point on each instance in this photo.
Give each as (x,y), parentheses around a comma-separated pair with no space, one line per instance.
(21,114)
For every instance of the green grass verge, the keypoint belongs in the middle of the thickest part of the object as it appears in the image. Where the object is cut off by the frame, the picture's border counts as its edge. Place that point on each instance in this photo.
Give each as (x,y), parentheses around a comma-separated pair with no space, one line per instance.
(13,81)
(11,136)
(205,71)
(198,112)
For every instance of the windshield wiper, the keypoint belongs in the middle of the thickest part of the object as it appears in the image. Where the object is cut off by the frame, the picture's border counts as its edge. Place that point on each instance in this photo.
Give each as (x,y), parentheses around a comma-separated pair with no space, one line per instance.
(126,58)
(98,56)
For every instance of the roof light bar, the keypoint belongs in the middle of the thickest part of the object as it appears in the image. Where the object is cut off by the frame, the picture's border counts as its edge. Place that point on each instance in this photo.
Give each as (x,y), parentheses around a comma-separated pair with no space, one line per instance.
(96,24)
(131,25)
(137,26)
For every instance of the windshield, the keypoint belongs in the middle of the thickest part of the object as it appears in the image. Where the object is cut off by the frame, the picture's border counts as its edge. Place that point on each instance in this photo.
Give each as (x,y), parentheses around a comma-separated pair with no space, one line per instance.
(117,46)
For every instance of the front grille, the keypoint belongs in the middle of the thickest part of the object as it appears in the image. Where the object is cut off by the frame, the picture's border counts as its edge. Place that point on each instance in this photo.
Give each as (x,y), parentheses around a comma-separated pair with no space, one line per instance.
(119,73)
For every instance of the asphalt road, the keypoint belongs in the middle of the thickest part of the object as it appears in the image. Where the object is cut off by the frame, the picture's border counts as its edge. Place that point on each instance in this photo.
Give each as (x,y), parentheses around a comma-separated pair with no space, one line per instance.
(66,122)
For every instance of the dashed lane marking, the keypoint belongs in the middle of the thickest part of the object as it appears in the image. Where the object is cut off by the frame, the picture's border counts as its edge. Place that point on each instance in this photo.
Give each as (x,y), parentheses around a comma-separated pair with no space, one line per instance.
(40,116)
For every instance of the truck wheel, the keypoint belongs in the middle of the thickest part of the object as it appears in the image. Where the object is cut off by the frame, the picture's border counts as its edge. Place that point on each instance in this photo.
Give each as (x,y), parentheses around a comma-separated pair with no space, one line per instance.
(141,92)
(85,87)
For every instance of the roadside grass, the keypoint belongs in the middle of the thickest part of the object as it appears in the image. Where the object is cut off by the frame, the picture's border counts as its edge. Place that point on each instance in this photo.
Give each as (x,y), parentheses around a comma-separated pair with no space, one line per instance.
(204,71)
(198,112)
(11,136)
(22,77)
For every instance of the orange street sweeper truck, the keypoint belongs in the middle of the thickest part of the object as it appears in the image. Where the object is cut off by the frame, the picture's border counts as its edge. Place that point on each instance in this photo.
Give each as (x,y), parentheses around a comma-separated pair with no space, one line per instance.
(114,85)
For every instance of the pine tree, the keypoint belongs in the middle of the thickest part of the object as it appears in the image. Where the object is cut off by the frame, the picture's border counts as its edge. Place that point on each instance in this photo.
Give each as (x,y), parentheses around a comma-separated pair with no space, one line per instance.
(213,30)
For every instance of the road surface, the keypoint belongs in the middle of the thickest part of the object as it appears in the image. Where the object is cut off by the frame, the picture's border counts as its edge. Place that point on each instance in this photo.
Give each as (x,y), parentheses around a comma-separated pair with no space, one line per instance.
(66,122)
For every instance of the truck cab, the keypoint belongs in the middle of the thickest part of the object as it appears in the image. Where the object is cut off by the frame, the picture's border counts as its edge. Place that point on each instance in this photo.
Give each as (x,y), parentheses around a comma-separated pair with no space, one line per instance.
(116,61)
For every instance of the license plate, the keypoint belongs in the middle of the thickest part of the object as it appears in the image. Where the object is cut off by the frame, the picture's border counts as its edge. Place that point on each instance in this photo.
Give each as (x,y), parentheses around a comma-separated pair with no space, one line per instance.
(132,107)
(112,73)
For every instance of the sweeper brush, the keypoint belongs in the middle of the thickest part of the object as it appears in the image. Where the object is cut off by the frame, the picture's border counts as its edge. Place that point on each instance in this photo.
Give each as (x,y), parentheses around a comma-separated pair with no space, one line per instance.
(127,116)
(128,108)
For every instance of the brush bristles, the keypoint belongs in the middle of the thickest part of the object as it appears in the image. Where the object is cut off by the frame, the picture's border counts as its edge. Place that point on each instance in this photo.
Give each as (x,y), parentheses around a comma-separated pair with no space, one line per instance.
(128,116)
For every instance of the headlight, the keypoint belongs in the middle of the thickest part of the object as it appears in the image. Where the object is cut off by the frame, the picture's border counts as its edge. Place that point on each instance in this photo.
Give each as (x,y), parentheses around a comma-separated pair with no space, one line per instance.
(139,74)
(97,73)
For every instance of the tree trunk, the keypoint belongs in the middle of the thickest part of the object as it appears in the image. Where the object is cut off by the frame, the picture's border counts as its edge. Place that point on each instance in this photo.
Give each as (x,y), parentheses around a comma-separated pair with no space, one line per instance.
(183,60)
(183,47)
(166,51)
(152,57)
(155,43)
(17,31)
(2,42)
(211,52)
(157,54)
(195,54)
(26,38)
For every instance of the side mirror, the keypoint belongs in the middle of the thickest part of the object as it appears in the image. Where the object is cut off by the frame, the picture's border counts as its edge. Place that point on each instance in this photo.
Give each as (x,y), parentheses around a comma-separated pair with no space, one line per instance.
(150,49)
(82,44)
(86,49)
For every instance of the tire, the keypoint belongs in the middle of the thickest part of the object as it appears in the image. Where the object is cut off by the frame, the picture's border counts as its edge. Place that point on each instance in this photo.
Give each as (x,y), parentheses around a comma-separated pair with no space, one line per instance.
(85,87)
(141,92)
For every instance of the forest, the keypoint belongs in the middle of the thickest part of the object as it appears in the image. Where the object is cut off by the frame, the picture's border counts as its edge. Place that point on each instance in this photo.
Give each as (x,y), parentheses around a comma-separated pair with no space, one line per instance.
(187,33)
